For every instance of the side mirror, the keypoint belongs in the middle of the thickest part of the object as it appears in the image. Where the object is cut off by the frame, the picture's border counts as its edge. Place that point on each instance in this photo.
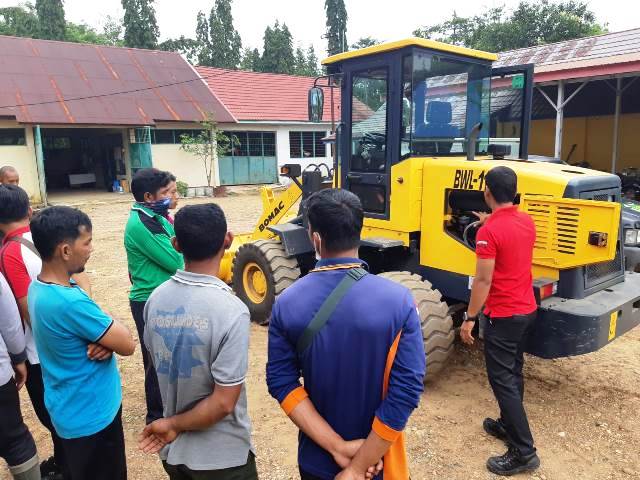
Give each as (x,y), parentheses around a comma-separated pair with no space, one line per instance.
(316,104)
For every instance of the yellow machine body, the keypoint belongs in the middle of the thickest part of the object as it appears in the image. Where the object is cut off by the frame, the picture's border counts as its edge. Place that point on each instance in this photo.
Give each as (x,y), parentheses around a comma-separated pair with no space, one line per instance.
(418,204)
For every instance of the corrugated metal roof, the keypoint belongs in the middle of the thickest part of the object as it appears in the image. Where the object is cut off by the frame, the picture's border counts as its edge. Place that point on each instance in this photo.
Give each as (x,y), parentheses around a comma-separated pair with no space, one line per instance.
(266,96)
(52,82)
(606,49)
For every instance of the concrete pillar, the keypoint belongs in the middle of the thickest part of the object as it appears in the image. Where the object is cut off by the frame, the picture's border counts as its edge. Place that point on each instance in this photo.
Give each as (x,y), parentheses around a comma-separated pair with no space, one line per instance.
(616,125)
(559,120)
(37,137)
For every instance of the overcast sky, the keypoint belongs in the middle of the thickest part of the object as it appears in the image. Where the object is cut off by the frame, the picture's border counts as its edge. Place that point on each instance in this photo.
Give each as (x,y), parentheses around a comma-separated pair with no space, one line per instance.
(306,20)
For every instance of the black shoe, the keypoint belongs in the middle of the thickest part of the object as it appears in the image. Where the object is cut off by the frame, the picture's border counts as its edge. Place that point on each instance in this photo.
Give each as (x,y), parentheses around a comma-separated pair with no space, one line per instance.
(512,462)
(49,470)
(495,428)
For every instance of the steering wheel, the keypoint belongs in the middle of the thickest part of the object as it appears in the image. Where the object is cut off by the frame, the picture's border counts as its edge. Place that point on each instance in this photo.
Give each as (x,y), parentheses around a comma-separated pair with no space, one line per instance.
(318,168)
(470,242)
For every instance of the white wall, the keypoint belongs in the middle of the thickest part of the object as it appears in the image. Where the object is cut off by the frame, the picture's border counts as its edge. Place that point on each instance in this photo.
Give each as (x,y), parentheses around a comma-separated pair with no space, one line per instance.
(23,158)
(185,166)
(190,169)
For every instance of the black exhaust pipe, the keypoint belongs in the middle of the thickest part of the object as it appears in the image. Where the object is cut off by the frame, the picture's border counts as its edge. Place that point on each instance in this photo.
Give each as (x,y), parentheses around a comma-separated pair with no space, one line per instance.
(472,141)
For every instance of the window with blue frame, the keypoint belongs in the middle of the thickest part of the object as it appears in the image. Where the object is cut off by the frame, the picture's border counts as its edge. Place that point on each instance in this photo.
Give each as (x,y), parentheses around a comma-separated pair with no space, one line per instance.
(307,144)
(251,144)
(241,144)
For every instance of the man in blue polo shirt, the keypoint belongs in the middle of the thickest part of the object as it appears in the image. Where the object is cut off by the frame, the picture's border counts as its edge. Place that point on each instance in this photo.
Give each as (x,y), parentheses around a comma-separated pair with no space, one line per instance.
(362,365)
(76,340)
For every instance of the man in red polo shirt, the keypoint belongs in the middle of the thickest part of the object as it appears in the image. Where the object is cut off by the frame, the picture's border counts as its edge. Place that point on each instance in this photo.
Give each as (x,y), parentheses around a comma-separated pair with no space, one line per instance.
(504,285)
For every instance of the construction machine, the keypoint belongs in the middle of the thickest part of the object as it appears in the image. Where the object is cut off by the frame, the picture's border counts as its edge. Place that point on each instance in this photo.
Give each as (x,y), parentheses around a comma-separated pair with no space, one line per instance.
(421,124)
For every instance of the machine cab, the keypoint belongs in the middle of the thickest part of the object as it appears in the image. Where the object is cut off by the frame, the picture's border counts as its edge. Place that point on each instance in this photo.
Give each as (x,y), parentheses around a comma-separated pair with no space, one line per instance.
(421,98)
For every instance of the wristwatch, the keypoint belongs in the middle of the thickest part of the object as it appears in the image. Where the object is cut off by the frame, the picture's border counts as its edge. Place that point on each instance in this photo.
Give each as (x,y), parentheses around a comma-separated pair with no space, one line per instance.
(469,318)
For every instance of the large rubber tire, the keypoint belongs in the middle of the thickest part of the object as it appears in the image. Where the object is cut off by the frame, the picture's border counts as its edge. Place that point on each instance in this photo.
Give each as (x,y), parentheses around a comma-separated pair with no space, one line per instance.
(437,325)
(261,271)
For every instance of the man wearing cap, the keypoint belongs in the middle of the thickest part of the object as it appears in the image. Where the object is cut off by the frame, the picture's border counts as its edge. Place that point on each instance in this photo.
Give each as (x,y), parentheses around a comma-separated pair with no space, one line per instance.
(504,286)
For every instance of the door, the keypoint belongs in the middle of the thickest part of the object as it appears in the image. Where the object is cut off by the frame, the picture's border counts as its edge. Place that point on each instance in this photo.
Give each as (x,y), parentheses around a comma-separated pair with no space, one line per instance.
(511,99)
(366,154)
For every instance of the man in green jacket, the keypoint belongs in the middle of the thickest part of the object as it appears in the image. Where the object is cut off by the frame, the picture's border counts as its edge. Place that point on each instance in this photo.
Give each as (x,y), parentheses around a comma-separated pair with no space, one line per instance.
(152,260)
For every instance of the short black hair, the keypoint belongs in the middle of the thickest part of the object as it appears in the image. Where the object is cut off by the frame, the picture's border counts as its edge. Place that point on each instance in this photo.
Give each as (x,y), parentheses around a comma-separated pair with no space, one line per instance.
(502,182)
(149,180)
(54,225)
(14,204)
(337,215)
(200,230)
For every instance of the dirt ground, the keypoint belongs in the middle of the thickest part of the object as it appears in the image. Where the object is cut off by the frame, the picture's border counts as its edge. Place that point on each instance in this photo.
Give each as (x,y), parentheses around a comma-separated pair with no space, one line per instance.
(583,410)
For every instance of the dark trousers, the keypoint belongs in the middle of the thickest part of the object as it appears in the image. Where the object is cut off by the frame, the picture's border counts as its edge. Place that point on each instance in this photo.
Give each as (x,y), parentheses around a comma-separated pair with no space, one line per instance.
(504,342)
(35,387)
(243,472)
(16,443)
(100,456)
(151,387)
(307,476)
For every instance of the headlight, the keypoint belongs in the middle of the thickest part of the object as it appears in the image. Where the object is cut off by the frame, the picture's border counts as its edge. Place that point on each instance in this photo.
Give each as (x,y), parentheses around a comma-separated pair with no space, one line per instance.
(631,237)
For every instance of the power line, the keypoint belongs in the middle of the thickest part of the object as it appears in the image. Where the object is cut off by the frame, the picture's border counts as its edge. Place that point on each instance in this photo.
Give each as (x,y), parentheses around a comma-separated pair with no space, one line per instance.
(124,92)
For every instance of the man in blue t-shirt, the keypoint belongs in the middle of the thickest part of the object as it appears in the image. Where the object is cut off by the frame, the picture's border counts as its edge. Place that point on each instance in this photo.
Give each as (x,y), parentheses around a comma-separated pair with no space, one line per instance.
(75,340)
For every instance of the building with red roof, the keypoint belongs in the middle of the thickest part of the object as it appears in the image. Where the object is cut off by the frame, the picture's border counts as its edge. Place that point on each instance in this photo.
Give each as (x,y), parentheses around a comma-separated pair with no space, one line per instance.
(272,109)
(77,114)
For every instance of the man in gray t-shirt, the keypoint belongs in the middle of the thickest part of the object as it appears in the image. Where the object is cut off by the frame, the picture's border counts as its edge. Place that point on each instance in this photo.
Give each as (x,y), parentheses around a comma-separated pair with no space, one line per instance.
(197,333)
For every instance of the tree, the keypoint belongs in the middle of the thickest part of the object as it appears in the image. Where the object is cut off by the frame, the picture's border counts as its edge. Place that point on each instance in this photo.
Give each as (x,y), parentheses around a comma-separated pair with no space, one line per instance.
(112,31)
(203,41)
(51,22)
(20,21)
(250,60)
(300,62)
(185,46)
(83,33)
(306,62)
(226,45)
(336,33)
(140,25)
(313,70)
(277,54)
(529,24)
(208,144)
(365,42)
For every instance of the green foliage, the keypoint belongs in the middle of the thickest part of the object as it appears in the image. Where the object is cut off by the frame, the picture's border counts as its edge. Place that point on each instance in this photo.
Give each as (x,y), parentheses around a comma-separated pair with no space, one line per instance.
(365,42)
(182,188)
(51,22)
(250,60)
(140,25)
(336,33)
(226,45)
(306,62)
(206,144)
(529,24)
(185,46)
(112,31)
(83,33)
(20,21)
(202,39)
(277,54)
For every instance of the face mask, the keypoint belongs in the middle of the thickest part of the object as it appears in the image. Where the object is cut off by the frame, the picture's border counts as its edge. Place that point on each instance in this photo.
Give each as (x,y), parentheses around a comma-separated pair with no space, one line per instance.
(161,207)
